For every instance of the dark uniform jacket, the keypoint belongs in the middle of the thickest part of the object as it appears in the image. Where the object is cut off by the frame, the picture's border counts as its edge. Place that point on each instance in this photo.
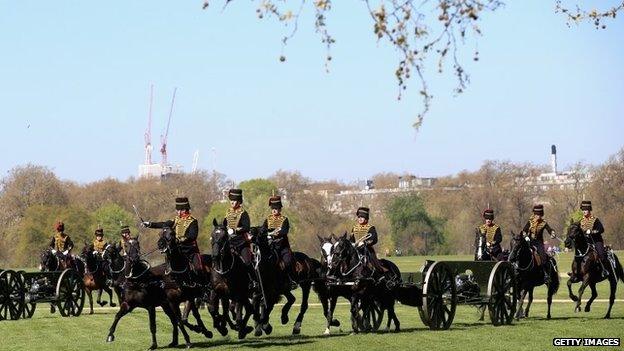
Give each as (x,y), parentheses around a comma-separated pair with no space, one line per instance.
(595,226)
(492,233)
(186,231)
(125,245)
(99,245)
(273,222)
(536,229)
(61,242)
(235,219)
(361,230)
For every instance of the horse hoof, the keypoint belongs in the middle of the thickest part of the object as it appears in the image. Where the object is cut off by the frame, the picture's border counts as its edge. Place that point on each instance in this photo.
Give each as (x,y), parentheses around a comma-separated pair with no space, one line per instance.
(335,323)
(103,303)
(110,338)
(284,319)
(112,304)
(327,332)
(189,345)
(173,344)
(573,298)
(268,328)
(296,331)
(577,309)
(208,334)
(548,317)
(587,308)
(223,331)
(607,317)
(153,347)
(258,332)
(90,312)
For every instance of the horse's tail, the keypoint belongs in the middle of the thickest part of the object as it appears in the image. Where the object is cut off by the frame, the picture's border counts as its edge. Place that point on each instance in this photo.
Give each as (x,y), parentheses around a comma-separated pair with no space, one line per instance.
(618,268)
(555,280)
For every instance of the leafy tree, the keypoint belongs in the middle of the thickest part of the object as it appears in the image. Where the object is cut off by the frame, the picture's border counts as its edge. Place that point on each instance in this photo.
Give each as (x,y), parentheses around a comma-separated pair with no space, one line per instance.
(110,217)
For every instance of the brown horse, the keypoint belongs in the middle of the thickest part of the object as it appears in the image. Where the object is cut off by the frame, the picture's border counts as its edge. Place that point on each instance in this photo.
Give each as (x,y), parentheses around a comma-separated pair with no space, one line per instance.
(587,269)
(96,277)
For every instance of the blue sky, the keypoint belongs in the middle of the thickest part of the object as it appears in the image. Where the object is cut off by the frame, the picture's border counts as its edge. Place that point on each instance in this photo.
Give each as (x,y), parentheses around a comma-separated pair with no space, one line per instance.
(75,76)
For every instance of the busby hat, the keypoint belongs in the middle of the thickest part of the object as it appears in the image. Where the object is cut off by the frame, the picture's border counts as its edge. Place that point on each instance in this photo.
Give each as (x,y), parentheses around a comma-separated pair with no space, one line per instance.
(182,203)
(488,214)
(59,226)
(235,195)
(538,209)
(363,212)
(125,229)
(275,201)
(586,205)
(99,231)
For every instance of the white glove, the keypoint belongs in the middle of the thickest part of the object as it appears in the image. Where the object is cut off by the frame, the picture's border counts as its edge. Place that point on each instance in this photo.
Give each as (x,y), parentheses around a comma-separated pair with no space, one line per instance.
(552,235)
(360,244)
(488,244)
(65,252)
(230,231)
(145,224)
(588,232)
(54,251)
(527,238)
(95,252)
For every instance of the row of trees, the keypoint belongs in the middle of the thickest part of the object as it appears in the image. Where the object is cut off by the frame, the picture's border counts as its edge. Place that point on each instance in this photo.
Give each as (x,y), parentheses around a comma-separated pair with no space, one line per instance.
(439,220)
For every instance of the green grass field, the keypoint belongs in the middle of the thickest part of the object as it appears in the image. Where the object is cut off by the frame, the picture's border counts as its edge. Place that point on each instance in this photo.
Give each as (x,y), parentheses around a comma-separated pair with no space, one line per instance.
(88,332)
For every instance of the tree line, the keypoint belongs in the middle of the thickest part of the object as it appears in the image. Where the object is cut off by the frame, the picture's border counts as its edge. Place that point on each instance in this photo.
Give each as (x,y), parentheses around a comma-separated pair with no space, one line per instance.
(436,220)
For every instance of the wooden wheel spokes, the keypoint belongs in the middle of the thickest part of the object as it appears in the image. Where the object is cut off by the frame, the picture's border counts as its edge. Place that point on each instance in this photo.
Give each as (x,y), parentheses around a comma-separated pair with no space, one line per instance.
(70,294)
(11,295)
(502,294)
(439,297)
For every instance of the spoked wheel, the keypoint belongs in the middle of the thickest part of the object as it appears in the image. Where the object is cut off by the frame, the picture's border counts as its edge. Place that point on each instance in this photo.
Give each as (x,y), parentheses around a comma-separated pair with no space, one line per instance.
(11,295)
(439,297)
(29,307)
(70,293)
(502,294)
(375,314)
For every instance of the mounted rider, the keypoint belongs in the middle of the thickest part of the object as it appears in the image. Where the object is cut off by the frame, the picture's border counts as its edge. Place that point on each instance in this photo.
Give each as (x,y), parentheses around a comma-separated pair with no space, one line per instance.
(365,236)
(277,226)
(99,244)
(490,232)
(593,229)
(61,244)
(534,229)
(238,226)
(126,240)
(186,230)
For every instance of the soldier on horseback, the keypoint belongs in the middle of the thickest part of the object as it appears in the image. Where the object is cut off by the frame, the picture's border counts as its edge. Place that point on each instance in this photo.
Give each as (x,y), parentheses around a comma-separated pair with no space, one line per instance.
(186,230)
(61,244)
(238,225)
(99,244)
(489,232)
(126,240)
(534,229)
(277,226)
(593,229)
(365,236)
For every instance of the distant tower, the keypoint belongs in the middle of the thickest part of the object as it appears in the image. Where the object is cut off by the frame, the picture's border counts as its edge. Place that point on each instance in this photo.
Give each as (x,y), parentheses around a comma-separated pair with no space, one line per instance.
(195,161)
(553,159)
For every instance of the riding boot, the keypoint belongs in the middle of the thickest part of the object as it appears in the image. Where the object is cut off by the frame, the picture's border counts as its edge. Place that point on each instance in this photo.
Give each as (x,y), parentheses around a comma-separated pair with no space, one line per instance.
(546,271)
(605,272)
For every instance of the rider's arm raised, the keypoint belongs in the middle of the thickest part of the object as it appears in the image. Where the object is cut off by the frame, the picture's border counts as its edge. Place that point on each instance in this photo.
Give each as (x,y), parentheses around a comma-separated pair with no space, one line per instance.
(165,224)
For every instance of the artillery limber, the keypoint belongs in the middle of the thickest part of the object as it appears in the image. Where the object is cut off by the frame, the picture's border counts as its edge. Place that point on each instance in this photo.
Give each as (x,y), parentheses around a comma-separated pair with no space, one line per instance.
(20,292)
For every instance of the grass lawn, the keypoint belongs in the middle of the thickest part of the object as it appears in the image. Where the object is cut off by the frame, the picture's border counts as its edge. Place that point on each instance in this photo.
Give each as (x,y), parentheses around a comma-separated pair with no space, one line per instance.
(88,332)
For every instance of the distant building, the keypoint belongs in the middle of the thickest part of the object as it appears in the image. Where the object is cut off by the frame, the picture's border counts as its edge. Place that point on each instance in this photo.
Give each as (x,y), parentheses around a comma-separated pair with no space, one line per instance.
(556,179)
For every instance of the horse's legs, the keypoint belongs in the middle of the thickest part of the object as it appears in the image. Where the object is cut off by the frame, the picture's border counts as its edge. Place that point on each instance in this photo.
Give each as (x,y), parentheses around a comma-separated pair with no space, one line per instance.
(594,294)
(354,313)
(178,318)
(549,296)
(526,312)
(90,296)
(151,311)
(200,323)
(580,294)
(241,320)
(305,295)
(124,309)
(613,285)
(570,293)
(174,327)
(109,291)
(290,300)
(520,311)
(218,321)
(330,313)
(266,324)
(392,316)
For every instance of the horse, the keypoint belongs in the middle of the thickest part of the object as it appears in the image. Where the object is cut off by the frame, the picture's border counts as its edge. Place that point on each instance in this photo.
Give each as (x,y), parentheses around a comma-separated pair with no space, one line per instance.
(529,274)
(50,262)
(485,252)
(143,287)
(586,268)
(178,270)
(95,277)
(230,281)
(367,285)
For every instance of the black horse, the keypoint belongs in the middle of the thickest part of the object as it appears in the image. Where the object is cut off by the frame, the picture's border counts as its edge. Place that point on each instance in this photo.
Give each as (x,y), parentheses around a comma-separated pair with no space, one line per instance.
(230,281)
(529,274)
(178,270)
(368,286)
(143,287)
(96,277)
(586,268)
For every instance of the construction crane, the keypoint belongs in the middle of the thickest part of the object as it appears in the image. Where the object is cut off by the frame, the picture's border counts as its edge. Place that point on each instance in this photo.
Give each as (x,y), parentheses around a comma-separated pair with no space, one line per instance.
(163,138)
(148,131)
(195,161)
